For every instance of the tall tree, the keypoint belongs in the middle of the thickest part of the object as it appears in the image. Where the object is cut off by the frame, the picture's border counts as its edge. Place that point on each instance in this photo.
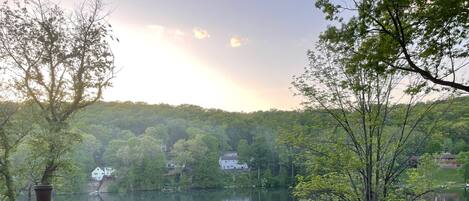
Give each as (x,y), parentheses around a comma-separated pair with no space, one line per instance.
(139,161)
(463,159)
(244,151)
(198,157)
(62,64)
(429,37)
(364,151)
(14,128)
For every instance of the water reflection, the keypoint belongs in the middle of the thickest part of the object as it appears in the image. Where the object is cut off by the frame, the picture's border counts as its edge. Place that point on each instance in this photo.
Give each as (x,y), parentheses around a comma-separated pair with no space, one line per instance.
(450,195)
(212,195)
(227,195)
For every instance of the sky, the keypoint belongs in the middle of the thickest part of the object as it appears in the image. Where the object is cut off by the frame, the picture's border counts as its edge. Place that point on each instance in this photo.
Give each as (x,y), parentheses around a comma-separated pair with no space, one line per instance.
(231,55)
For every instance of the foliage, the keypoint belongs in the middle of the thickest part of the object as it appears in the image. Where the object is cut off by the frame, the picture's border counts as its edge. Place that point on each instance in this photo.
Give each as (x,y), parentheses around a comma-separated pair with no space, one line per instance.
(463,160)
(425,38)
(140,163)
(15,127)
(372,134)
(421,180)
(283,135)
(106,128)
(59,63)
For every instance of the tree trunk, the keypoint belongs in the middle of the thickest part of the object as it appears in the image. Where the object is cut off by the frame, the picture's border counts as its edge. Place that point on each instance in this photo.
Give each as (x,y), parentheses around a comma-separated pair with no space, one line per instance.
(10,186)
(258,177)
(30,188)
(11,193)
(47,175)
(292,173)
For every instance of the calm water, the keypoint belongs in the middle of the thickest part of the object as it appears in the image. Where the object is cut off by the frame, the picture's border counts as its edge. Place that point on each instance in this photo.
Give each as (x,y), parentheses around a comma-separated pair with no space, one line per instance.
(450,195)
(205,195)
(226,195)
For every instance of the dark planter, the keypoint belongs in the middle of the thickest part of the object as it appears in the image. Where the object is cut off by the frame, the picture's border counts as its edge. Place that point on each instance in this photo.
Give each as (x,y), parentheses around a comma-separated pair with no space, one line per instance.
(43,192)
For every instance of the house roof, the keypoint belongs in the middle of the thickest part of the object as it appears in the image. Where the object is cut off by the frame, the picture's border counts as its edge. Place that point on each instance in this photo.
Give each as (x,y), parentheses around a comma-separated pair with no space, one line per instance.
(229,156)
(448,156)
(97,169)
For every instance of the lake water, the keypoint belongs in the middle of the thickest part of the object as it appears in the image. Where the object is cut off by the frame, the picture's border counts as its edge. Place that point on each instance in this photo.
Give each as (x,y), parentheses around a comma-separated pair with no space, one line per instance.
(224,195)
(200,195)
(450,195)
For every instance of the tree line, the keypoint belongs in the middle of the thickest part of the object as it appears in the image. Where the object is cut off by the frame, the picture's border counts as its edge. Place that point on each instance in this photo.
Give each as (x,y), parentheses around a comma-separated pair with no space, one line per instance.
(379,91)
(129,137)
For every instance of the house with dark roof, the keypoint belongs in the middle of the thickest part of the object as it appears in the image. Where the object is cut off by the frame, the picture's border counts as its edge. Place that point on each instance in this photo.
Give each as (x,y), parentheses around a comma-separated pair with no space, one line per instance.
(229,161)
(447,160)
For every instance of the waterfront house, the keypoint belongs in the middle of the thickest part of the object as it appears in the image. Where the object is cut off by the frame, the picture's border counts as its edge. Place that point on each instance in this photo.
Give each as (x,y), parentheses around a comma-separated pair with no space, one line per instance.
(108,171)
(229,161)
(447,160)
(97,174)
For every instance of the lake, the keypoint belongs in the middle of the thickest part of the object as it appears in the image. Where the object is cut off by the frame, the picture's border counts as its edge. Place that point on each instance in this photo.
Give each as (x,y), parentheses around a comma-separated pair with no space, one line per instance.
(222,195)
(199,195)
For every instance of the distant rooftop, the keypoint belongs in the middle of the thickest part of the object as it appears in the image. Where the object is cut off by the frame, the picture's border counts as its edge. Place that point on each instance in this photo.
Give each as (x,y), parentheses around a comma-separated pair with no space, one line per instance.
(229,156)
(448,156)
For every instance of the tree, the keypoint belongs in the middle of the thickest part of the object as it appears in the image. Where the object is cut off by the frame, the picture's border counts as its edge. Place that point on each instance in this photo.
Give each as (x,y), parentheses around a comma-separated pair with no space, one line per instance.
(463,159)
(244,151)
(62,64)
(187,152)
(429,37)
(139,162)
(158,132)
(288,150)
(199,158)
(207,173)
(421,180)
(260,157)
(362,153)
(13,131)
(109,154)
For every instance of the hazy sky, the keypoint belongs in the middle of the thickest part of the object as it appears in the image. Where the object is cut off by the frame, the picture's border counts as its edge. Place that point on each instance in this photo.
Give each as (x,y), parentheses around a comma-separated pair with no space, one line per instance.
(233,55)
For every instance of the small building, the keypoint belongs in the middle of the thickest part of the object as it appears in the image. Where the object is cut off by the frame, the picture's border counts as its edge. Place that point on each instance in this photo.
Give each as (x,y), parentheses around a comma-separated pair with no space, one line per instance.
(413,161)
(447,160)
(108,171)
(164,147)
(172,165)
(229,161)
(97,174)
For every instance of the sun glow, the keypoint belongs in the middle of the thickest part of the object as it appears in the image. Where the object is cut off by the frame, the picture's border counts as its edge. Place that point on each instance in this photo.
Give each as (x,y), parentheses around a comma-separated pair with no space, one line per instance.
(155,68)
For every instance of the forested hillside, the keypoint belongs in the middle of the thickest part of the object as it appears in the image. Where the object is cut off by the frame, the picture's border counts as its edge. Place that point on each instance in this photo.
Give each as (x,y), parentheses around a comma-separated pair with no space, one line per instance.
(140,140)
(129,137)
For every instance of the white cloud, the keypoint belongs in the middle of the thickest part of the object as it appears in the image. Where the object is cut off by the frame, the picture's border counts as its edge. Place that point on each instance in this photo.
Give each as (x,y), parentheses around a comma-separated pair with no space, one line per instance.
(166,32)
(158,30)
(156,27)
(178,32)
(200,33)
(236,41)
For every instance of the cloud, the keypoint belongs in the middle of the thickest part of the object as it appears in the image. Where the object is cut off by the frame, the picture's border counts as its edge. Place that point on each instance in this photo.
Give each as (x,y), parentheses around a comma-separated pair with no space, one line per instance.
(236,41)
(156,27)
(177,32)
(165,32)
(200,33)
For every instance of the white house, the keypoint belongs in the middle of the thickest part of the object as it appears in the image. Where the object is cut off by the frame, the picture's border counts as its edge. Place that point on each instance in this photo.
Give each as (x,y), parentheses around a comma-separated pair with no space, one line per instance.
(172,164)
(97,174)
(229,161)
(164,147)
(108,171)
